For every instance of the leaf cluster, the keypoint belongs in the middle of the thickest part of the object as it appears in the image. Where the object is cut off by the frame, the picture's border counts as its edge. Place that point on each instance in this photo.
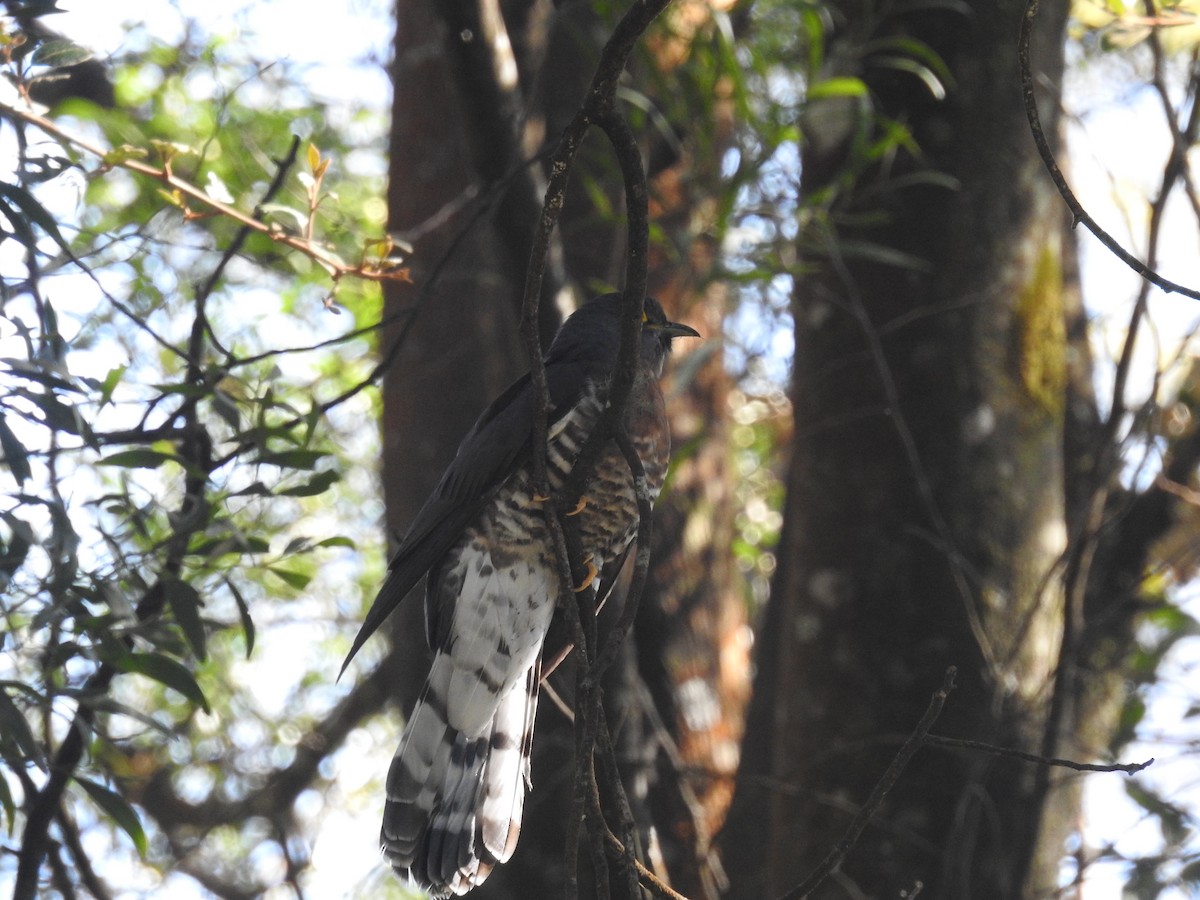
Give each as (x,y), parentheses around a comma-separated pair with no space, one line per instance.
(165,422)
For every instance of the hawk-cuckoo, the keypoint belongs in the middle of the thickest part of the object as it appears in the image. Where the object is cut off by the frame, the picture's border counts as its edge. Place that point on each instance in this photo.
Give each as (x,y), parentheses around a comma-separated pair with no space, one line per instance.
(457,783)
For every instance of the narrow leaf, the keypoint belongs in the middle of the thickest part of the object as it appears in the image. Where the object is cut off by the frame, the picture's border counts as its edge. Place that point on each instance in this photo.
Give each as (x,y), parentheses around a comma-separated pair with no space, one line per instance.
(139,458)
(111,380)
(15,453)
(185,603)
(292,459)
(165,671)
(244,612)
(60,53)
(115,807)
(34,211)
(13,555)
(14,727)
(102,703)
(298,580)
(6,800)
(836,87)
(318,484)
(226,407)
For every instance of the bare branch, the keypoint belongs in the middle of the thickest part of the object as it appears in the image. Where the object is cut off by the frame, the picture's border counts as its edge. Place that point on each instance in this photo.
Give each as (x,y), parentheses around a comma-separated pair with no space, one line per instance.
(938,740)
(1079,214)
(651,882)
(913,743)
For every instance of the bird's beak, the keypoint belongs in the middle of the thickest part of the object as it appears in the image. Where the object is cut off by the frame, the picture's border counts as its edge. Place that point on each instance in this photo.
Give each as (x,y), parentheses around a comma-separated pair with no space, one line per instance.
(678,329)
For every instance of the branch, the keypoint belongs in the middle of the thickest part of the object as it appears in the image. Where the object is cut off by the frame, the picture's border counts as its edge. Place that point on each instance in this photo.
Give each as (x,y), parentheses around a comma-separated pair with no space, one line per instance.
(164,804)
(914,743)
(1078,213)
(83,864)
(646,878)
(329,262)
(938,740)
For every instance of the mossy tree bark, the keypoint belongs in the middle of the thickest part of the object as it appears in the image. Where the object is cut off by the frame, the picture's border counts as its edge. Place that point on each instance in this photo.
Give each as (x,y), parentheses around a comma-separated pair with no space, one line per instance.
(926,511)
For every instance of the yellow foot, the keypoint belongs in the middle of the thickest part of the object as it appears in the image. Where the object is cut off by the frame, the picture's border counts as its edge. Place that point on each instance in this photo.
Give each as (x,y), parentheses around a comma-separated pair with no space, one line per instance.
(579,507)
(591,575)
(540,498)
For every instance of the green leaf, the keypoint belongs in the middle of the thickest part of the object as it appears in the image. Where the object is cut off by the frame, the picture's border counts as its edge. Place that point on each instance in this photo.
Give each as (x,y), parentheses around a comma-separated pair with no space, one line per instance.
(297,580)
(124,154)
(244,612)
(139,458)
(297,545)
(15,453)
(337,541)
(226,407)
(273,212)
(836,87)
(6,800)
(102,703)
(111,380)
(185,603)
(60,53)
(15,728)
(318,484)
(165,671)
(34,212)
(234,543)
(292,459)
(115,807)
(58,415)
(257,489)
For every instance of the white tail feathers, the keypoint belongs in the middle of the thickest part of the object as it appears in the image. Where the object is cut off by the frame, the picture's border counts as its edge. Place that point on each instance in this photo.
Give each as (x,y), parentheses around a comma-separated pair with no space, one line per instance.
(454,803)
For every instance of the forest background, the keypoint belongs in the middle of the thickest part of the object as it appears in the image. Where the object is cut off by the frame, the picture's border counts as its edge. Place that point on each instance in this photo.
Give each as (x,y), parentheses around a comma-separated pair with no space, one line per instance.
(931,424)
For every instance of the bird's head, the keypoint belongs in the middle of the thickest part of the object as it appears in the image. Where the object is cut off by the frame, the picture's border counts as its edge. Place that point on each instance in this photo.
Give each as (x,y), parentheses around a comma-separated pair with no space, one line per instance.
(657,333)
(594,330)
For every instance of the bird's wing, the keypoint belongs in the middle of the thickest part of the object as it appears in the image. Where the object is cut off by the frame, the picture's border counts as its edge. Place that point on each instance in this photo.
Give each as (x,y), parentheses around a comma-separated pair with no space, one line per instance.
(494,447)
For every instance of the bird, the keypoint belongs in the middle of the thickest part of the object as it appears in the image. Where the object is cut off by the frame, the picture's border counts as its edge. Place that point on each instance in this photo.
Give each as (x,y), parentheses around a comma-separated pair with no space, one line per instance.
(457,783)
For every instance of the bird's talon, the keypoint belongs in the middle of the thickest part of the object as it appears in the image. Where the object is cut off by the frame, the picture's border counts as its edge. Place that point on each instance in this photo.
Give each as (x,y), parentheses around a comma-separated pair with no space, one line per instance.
(579,507)
(540,498)
(592,572)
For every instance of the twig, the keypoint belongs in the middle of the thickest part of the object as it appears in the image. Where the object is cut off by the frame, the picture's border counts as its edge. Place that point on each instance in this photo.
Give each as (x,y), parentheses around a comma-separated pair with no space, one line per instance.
(83,863)
(938,740)
(1078,213)
(864,816)
(646,878)
(334,266)
(620,800)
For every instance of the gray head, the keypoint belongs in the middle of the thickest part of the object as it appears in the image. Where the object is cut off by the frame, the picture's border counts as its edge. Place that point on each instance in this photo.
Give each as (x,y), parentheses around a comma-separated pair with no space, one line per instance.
(592,334)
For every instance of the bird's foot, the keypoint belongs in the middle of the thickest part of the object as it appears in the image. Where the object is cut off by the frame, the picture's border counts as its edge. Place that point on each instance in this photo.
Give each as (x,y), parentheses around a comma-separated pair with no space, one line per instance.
(592,572)
(579,507)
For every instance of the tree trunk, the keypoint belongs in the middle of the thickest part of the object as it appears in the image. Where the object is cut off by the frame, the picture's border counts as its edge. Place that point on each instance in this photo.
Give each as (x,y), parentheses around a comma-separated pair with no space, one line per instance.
(925,508)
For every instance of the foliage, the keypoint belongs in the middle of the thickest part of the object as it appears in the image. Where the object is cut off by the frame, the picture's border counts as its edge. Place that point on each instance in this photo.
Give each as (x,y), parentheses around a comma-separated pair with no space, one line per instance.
(169,435)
